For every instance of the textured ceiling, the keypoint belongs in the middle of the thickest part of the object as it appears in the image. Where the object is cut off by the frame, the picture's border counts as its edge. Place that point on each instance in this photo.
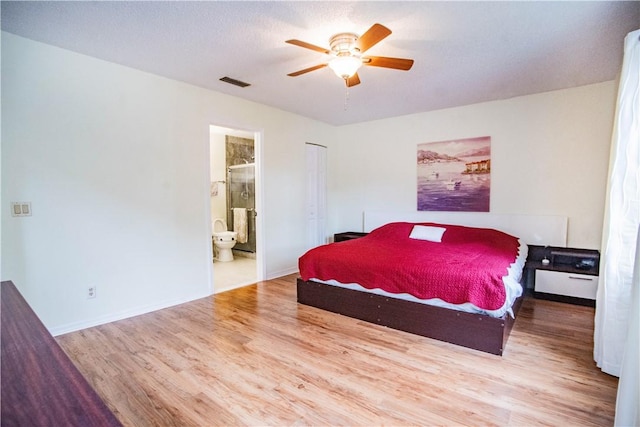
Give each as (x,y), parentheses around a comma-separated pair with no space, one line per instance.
(465,52)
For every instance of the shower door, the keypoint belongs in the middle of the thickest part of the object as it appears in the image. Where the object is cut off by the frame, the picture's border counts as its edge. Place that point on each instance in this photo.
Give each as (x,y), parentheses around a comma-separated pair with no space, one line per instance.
(241,194)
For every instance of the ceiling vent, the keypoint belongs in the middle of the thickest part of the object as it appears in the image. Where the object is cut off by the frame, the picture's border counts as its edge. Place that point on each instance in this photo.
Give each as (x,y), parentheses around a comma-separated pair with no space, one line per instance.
(234,82)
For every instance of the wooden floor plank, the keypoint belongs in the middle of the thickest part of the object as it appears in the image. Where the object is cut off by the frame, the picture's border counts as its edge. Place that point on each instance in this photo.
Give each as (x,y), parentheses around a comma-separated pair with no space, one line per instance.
(253,356)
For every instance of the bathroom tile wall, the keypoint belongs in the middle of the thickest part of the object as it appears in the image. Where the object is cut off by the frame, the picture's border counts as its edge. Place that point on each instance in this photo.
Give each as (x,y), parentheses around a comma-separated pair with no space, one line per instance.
(241,188)
(238,150)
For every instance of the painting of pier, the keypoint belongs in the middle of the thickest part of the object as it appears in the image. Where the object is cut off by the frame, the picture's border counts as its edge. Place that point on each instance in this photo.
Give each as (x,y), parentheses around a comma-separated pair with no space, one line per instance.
(454,175)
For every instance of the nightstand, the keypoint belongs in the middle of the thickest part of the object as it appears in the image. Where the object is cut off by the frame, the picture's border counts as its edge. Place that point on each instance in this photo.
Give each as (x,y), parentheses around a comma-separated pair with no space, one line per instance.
(570,276)
(349,235)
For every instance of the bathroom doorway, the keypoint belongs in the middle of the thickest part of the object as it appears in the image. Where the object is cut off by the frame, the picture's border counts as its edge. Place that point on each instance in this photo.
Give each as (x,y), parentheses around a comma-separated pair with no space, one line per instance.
(234,195)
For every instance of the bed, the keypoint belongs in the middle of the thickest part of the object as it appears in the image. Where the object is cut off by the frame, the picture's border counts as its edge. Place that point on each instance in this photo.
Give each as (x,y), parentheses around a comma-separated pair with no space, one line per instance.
(351,285)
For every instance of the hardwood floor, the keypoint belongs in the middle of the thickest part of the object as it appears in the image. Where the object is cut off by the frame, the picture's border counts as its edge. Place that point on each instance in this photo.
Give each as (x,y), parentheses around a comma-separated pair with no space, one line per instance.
(253,356)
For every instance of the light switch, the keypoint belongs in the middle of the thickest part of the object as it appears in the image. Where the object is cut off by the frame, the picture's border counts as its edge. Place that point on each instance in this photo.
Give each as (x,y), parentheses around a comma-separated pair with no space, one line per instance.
(20,208)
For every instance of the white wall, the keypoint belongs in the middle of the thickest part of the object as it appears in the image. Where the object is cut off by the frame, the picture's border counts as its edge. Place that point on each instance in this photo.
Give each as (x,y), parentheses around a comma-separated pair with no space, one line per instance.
(115,164)
(549,155)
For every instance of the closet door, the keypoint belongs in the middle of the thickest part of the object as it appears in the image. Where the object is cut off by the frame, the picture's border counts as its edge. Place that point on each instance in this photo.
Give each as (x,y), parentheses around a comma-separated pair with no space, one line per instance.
(316,195)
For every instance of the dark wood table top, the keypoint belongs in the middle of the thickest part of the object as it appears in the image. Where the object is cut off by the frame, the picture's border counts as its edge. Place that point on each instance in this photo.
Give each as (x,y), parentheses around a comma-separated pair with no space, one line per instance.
(40,384)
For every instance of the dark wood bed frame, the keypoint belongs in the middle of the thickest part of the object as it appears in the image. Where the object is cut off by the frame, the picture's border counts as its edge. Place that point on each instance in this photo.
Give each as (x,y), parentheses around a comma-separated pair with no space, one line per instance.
(476,331)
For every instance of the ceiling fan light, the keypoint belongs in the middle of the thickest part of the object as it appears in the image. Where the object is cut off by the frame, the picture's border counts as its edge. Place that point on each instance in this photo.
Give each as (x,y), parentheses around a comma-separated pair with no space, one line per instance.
(345,66)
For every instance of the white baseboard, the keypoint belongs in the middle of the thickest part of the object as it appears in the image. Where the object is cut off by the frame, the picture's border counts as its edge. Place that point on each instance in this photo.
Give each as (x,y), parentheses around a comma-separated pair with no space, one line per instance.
(113,317)
(280,273)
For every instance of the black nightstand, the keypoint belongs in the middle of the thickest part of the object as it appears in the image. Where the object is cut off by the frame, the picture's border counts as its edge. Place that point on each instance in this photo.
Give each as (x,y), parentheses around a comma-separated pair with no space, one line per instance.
(349,235)
(571,275)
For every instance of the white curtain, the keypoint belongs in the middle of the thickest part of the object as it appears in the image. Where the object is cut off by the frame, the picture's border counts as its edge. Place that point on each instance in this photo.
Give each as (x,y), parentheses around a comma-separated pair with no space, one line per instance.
(629,386)
(616,324)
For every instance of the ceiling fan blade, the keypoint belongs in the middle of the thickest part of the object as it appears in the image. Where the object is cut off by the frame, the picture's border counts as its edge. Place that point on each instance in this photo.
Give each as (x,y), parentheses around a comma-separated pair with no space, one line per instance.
(353,80)
(307,70)
(309,46)
(375,34)
(386,62)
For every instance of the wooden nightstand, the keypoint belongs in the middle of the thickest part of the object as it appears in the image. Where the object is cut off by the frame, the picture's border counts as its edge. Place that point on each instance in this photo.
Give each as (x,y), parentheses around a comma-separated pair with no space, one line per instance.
(349,235)
(570,276)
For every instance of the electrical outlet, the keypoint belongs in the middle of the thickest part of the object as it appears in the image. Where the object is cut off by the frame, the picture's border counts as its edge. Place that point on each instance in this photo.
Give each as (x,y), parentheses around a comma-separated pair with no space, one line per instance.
(91,292)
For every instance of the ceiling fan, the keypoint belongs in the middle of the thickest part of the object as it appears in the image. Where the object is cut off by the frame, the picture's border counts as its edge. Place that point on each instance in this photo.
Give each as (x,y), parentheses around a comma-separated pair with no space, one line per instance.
(346,51)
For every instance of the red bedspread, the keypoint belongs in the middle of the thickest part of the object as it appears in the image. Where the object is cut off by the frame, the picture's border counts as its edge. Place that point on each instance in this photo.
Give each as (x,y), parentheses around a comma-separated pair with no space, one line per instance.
(467,266)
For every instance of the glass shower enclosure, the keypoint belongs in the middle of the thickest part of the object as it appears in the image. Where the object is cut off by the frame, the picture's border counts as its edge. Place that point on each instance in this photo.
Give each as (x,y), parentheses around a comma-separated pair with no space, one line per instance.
(241,187)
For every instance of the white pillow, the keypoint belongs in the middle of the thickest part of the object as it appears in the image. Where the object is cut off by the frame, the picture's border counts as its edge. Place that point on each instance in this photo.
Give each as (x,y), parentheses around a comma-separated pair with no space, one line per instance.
(427,232)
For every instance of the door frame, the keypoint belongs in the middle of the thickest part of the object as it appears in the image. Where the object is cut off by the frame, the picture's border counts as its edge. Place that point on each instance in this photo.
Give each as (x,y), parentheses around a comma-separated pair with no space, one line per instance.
(319,182)
(258,137)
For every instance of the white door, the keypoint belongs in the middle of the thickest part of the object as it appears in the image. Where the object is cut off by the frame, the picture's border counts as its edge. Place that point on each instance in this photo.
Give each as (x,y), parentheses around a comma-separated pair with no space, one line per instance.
(316,195)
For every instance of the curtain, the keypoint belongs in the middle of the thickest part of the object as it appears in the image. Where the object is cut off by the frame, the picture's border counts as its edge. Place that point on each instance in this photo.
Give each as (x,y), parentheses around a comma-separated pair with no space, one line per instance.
(622,216)
(629,385)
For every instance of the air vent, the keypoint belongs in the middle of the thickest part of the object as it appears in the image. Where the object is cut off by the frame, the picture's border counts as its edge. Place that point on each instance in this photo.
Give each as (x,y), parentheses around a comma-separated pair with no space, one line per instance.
(234,82)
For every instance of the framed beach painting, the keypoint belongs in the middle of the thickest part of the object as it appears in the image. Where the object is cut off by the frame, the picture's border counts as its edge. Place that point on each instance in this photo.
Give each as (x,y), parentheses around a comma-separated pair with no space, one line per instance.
(455,175)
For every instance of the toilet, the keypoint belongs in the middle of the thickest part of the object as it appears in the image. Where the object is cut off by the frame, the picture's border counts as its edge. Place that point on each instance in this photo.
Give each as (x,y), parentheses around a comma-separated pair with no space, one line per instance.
(223,240)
